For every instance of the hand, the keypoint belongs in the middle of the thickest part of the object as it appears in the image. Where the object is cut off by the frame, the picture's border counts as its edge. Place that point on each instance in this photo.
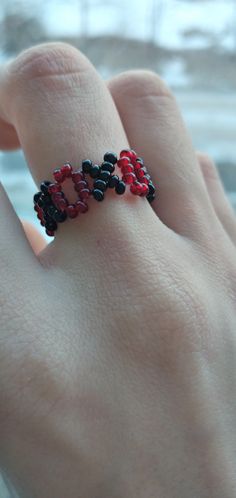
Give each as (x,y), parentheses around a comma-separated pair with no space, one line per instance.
(117,345)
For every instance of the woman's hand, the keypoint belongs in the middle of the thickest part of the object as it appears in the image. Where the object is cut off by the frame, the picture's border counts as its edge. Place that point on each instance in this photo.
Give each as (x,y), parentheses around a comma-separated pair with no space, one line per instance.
(118,339)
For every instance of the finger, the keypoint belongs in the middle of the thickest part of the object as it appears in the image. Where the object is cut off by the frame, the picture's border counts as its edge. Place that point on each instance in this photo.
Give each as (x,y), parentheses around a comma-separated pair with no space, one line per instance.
(72,116)
(36,240)
(17,262)
(154,125)
(8,136)
(217,195)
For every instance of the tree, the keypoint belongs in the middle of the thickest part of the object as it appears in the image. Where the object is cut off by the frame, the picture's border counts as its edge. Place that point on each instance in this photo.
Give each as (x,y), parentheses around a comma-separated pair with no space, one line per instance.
(156,18)
(85,7)
(209,38)
(19,28)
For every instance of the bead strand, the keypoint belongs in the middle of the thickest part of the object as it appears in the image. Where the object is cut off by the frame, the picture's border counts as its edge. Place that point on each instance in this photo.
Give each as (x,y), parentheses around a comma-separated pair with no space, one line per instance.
(135,174)
(52,206)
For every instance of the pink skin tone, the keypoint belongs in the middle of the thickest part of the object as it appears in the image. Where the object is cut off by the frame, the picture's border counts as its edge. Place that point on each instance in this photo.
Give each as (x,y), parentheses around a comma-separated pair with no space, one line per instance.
(117,342)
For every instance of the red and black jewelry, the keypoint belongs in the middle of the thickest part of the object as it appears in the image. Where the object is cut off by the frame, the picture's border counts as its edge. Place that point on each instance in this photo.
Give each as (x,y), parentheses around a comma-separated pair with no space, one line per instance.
(53,207)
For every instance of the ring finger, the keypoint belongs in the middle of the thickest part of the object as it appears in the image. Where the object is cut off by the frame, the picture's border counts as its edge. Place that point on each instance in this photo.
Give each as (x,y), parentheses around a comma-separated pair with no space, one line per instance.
(62,110)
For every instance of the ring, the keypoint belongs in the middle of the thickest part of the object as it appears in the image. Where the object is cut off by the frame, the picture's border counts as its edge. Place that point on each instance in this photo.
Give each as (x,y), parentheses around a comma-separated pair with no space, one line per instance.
(92,180)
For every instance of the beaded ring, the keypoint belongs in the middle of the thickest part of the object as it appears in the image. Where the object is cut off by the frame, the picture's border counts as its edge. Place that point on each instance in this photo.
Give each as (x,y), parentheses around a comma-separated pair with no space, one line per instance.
(52,206)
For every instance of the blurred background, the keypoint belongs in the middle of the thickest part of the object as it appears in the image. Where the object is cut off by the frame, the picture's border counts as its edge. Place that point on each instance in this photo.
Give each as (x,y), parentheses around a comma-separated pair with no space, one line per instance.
(190,43)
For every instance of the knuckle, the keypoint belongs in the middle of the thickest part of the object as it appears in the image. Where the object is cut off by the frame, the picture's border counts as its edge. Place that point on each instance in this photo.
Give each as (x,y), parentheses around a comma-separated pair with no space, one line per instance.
(141,83)
(47,62)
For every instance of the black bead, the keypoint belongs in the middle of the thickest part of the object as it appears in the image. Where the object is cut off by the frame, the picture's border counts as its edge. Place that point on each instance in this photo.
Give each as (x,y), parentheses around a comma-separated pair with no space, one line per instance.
(120,187)
(98,194)
(44,186)
(51,210)
(106,166)
(37,197)
(51,225)
(94,171)
(113,181)
(105,175)
(100,185)
(152,189)
(111,157)
(86,166)
(150,197)
(46,200)
(45,214)
(40,202)
(59,216)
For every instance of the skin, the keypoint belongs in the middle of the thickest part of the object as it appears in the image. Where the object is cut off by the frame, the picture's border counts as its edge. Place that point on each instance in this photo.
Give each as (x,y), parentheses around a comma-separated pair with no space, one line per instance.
(117,344)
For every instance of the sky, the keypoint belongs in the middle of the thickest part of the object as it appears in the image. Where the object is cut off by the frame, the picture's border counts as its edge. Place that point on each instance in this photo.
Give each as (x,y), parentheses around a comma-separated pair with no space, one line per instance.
(134,18)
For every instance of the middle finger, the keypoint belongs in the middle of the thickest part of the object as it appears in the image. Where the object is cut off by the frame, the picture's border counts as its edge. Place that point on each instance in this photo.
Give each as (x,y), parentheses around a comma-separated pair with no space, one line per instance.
(150,116)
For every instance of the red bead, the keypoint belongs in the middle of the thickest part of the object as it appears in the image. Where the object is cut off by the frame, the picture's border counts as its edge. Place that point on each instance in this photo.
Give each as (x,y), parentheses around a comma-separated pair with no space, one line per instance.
(133,157)
(145,180)
(72,211)
(82,207)
(137,166)
(58,175)
(77,176)
(129,178)
(133,189)
(56,197)
(129,153)
(54,187)
(50,233)
(127,168)
(40,212)
(80,185)
(124,152)
(84,194)
(136,188)
(42,223)
(124,161)
(62,204)
(140,173)
(145,189)
(139,188)
(66,170)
